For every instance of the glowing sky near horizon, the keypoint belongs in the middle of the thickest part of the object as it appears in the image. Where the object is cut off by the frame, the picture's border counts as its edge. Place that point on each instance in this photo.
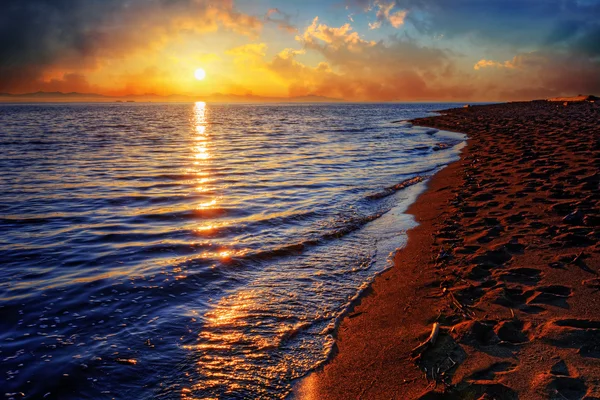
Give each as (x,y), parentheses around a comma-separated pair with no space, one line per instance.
(362,50)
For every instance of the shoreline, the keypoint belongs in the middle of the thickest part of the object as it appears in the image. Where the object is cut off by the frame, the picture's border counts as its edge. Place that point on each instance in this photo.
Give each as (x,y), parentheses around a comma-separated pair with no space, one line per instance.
(494,262)
(354,320)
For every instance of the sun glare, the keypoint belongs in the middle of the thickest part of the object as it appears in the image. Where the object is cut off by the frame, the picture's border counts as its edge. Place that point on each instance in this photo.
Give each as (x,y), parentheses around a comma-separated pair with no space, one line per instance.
(200,74)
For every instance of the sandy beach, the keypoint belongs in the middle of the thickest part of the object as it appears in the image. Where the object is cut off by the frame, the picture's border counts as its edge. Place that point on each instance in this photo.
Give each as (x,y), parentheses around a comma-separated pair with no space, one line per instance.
(505,260)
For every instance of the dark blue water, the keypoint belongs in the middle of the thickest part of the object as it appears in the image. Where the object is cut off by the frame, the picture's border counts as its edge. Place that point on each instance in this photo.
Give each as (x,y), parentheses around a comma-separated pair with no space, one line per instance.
(194,250)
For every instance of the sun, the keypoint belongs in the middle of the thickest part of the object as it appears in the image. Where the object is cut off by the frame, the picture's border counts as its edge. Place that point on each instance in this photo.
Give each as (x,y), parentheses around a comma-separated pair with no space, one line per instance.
(200,74)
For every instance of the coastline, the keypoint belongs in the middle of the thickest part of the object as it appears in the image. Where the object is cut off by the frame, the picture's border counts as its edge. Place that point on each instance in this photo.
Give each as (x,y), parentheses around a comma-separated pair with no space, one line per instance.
(377,318)
(496,262)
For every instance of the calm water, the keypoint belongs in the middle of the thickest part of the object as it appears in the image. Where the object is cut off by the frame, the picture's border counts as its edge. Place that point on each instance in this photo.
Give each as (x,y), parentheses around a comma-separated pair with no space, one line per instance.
(191,250)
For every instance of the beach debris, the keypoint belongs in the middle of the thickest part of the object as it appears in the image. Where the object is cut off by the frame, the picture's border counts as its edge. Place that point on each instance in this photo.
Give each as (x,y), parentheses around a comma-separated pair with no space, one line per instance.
(592,283)
(578,258)
(399,186)
(467,313)
(435,330)
(443,254)
(574,218)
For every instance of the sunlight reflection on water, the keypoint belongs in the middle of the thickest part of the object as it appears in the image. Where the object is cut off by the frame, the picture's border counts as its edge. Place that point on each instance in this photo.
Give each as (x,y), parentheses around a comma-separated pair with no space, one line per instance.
(215,245)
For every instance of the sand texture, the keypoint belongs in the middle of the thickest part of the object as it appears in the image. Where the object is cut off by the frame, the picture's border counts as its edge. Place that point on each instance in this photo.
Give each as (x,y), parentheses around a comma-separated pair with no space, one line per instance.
(506,260)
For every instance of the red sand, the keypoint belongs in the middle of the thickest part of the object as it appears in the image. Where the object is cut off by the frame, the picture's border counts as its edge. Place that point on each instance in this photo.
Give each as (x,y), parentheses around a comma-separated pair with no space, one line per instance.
(506,259)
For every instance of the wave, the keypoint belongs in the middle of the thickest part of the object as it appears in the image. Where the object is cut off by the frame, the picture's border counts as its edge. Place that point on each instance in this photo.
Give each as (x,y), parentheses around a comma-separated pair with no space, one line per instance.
(347,130)
(393,189)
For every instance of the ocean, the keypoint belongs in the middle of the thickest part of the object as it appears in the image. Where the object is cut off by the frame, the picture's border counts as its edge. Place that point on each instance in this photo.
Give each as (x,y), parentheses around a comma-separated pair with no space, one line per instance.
(168,251)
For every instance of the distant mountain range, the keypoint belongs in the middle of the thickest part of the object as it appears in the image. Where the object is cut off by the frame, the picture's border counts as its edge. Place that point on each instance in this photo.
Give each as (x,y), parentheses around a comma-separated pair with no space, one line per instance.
(151,97)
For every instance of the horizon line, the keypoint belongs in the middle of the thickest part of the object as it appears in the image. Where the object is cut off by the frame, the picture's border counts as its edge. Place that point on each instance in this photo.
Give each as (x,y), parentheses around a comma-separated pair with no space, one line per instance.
(69,97)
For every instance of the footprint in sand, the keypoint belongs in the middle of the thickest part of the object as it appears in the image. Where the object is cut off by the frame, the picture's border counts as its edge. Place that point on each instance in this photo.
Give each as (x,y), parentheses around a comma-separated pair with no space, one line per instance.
(555,295)
(489,373)
(512,332)
(524,275)
(564,387)
(582,334)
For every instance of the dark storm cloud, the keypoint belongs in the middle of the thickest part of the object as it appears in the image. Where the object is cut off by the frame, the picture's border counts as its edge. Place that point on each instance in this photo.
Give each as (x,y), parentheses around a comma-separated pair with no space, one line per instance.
(41,31)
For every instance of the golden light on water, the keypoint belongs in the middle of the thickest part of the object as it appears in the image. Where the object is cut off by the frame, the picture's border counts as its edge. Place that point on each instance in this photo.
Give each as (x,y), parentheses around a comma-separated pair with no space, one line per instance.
(206,228)
(202,156)
(200,150)
(208,204)
(200,113)
(229,325)
(225,326)
(225,254)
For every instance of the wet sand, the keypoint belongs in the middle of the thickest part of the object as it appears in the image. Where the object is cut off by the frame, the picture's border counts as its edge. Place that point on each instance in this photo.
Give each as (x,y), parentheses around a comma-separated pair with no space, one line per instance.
(505,259)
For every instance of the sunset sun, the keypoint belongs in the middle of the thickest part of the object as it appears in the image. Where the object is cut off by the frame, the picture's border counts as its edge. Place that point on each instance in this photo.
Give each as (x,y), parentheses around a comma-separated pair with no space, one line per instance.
(200,74)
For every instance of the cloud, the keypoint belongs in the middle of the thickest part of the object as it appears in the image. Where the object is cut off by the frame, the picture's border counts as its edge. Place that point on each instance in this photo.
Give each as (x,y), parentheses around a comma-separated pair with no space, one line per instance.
(70,45)
(489,63)
(41,35)
(248,55)
(587,41)
(550,73)
(283,22)
(250,50)
(505,22)
(513,23)
(70,82)
(555,41)
(539,74)
(400,69)
(357,69)
(365,5)
(289,53)
(385,15)
(323,36)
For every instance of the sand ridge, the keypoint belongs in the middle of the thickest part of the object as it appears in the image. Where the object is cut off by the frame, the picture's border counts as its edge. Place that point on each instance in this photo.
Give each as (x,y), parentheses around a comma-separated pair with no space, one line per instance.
(506,260)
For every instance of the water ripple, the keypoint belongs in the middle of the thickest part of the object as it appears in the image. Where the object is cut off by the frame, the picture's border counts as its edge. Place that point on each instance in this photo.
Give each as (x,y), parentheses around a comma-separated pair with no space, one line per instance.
(192,250)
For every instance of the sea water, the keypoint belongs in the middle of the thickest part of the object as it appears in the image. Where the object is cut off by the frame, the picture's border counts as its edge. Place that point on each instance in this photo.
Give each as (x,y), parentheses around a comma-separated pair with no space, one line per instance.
(195,250)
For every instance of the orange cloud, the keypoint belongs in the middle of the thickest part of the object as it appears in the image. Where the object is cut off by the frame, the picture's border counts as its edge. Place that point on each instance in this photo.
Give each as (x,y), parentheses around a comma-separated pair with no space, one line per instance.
(385,14)
(248,51)
(332,37)
(489,63)
(144,46)
(359,69)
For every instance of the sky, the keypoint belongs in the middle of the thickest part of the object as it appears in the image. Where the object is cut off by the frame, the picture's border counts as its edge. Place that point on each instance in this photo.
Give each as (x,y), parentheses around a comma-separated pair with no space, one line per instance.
(357,50)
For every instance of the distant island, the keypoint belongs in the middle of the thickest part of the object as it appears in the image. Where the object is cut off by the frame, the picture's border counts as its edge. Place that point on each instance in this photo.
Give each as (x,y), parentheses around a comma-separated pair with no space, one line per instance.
(75,97)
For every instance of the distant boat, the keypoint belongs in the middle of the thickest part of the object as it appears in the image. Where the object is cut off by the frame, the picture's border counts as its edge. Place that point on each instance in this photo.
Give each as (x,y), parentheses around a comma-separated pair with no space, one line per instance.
(131,101)
(119,101)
